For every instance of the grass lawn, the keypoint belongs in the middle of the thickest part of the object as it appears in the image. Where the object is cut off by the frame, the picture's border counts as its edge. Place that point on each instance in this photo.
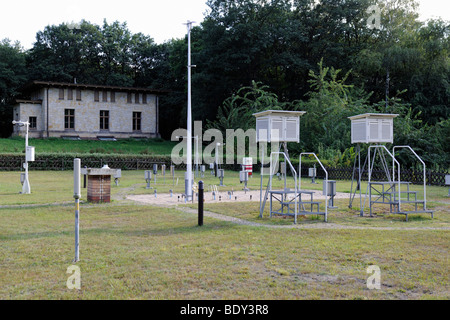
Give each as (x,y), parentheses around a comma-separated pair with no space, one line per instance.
(132,251)
(54,145)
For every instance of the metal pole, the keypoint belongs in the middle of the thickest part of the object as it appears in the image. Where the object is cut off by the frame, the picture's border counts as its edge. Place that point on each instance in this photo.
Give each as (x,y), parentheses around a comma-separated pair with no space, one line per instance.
(261,178)
(26,185)
(200,202)
(77,195)
(84,178)
(360,172)
(188,187)
(196,156)
(216,166)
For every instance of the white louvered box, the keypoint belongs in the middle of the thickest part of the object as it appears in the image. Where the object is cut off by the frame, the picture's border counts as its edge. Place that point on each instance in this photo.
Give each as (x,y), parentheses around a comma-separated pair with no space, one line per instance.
(273,125)
(373,128)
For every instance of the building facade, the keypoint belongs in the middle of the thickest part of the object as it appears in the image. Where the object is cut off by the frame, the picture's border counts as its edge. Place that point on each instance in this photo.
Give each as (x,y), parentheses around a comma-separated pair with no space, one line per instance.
(66,110)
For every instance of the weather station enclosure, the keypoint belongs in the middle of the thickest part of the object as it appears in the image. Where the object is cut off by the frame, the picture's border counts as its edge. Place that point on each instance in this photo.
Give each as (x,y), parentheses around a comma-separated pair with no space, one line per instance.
(373,128)
(376,130)
(278,126)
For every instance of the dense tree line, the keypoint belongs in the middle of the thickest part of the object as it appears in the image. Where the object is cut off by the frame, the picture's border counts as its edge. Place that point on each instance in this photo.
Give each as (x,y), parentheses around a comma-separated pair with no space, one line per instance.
(320,56)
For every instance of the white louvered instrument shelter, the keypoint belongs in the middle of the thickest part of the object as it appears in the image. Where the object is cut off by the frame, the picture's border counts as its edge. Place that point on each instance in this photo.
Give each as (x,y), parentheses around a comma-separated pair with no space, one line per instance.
(273,124)
(373,128)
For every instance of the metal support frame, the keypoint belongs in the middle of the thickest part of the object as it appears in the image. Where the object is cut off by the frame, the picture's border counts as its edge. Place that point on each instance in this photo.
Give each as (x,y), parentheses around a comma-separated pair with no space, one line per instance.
(369,162)
(360,173)
(424,172)
(263,200)
(326,179)
(381,147)
(386,191)
(295,181)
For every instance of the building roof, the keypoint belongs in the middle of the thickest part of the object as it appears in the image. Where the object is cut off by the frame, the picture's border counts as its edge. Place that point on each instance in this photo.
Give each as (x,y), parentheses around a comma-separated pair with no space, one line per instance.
(279,113)
(374,115)
(45,84)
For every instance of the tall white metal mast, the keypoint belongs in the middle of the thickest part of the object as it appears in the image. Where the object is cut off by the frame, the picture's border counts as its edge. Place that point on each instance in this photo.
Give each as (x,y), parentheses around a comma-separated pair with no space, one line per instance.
(188,178)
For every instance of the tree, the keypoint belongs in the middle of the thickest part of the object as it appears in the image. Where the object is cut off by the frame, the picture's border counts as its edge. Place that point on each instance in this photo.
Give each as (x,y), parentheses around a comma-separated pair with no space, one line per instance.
(12,76)
(57,54)
(331,101)
(12,70)
(237,111)
(88,53)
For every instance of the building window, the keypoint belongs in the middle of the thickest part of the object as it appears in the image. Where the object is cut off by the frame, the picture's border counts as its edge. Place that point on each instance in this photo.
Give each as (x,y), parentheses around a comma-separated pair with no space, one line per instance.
(69,94)
(136,98)
(137,117)
(96,96)
(113,96)
(104,120)
(78,94)
(144,98)
(61,94)
(33,123)
(129,97)
(105,96)
(69,119)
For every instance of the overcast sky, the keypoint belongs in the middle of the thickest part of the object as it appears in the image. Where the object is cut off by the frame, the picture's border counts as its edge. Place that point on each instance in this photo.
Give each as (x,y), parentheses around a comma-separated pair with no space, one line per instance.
(162,20)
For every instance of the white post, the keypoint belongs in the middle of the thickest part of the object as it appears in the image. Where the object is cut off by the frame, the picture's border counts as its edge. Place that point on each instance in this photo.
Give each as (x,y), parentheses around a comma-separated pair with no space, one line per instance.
(196,156)
(217,158)
(188,185)
(26,184)
(261,182)
(77,196)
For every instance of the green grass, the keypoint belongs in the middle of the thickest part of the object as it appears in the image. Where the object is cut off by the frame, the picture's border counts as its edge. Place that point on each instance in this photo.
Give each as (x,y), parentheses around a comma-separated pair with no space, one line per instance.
(53,145)
(132,251)
(142,252)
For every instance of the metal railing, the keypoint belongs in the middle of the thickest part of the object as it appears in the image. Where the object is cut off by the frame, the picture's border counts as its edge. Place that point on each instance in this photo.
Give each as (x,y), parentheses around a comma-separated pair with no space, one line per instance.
(326,179)
(424,171)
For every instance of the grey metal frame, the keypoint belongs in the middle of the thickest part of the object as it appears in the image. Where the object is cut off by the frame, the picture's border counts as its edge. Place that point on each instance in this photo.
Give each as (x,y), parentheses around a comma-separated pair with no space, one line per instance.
(326,179)
(370,176)
(390,197)
(424,172)
(294,173)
